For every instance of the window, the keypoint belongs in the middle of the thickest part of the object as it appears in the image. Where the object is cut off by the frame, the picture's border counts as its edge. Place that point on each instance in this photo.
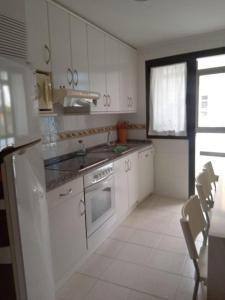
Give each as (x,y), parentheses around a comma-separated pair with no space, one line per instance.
(211,92)
(6,122)
(167,113)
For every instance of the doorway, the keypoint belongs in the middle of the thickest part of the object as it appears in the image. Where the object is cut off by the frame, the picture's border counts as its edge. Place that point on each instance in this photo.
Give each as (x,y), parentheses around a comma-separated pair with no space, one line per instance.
(210,119)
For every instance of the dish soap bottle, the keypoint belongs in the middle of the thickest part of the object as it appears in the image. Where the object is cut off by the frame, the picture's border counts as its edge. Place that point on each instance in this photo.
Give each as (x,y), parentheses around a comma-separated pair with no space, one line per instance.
(81,149)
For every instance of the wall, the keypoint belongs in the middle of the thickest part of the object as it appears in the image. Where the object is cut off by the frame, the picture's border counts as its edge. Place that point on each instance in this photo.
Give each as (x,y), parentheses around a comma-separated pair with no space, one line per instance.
(171,158)
(51,126)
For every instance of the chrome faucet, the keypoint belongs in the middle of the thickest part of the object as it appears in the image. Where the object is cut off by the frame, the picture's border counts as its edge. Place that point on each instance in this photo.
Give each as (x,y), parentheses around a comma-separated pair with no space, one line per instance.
(108,138)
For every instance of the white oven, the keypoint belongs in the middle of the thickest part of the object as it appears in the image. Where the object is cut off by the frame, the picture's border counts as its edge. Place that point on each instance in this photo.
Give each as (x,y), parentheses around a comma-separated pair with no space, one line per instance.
(99,197)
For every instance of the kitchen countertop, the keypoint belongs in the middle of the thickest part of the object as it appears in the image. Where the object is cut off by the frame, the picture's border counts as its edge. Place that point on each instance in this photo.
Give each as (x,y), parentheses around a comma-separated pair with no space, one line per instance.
(56,177)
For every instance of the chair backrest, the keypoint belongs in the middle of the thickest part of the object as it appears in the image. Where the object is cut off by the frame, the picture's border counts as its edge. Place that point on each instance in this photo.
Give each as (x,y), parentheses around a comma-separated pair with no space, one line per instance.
(213,178)
(205,205)
(203,180)
(193,223)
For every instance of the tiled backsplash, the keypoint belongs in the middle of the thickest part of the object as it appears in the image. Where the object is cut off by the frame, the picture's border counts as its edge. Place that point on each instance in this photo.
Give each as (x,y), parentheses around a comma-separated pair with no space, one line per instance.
(60,134)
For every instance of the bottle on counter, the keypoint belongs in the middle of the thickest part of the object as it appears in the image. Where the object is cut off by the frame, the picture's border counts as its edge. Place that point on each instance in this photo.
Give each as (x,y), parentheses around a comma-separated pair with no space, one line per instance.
(81,148)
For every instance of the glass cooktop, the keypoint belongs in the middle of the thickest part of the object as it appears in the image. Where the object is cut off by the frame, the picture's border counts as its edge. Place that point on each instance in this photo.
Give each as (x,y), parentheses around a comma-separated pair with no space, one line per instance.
(77,163)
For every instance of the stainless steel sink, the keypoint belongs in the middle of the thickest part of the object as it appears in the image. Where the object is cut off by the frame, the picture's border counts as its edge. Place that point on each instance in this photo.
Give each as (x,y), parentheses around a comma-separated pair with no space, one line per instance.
(112,148)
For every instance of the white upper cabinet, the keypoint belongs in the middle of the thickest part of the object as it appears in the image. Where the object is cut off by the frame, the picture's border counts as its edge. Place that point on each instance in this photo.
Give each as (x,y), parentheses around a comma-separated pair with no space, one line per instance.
(112,73)
(60,47)
(123,77)
(82,57)
(128,84)
(68,38)
(79,53)
(96,59)
(132,80)
(38,35)
(103,54)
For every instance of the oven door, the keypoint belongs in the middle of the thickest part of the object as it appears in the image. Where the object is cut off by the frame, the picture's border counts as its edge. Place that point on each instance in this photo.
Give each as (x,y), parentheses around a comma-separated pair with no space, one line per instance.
(100,204)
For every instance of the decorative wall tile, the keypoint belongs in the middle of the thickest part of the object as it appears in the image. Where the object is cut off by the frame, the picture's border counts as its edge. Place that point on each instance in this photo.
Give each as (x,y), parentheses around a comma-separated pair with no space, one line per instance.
(59,136)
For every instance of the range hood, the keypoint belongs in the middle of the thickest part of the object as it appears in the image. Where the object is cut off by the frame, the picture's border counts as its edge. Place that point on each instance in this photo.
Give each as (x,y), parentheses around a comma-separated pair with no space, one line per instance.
(75,102)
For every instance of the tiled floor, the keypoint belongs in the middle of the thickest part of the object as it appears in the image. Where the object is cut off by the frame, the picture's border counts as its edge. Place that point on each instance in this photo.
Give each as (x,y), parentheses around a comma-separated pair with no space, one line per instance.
(144,259)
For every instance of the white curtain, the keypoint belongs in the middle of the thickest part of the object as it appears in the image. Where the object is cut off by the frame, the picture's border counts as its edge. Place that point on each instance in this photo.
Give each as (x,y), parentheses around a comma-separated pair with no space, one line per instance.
(168,100)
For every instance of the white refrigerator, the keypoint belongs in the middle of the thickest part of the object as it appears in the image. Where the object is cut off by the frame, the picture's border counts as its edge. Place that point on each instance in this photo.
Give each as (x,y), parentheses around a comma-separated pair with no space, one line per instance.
(26,250)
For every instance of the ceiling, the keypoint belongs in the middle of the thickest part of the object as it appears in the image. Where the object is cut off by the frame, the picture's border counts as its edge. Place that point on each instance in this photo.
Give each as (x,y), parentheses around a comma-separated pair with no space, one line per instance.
(153,21)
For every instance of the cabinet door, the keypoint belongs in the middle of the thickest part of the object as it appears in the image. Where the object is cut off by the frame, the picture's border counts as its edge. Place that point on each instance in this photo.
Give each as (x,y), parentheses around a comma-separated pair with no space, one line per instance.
(121,187)
(38,35)
(96,61)
(68,236)
(146,173)
(150,163)
(79,53)
(112,73)
(133,178)
(132,80)
(60,47)
(124,77)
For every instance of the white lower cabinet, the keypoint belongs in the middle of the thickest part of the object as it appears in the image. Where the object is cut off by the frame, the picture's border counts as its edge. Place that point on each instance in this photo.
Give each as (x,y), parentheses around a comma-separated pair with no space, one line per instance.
(132,174)
(126,170)
(121,187)
(145,173)
(67,228)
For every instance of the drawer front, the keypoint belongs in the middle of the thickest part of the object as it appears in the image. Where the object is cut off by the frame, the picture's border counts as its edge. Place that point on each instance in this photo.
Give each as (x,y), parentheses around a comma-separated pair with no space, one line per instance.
(64,192)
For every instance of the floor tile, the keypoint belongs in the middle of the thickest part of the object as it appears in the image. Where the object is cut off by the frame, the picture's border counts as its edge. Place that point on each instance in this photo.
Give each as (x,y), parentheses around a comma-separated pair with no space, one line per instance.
(104,290)
(95,265)
(174,244)
(131,220)
(174,229)
(110,248)
(133,295)
(122,233)
(76,288)
(152,225)
(142,279)
(156,282)
(188,269)
(134,253)
(166,261)
(145,238)
(186,288)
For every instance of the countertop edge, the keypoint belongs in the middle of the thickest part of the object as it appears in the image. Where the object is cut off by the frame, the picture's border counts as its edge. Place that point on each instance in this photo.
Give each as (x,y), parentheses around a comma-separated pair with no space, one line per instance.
(69,176)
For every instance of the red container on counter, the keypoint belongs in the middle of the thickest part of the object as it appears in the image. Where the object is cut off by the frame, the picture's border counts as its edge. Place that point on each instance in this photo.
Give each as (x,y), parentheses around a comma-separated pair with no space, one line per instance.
(122,132)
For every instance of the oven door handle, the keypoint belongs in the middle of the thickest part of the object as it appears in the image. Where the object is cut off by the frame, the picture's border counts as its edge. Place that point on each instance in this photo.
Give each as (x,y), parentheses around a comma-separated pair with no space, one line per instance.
(98,185)
(103,179)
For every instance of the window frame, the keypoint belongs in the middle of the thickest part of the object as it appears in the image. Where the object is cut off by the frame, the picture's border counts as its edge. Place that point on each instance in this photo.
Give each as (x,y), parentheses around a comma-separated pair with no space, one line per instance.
(191,89)
(165,62)
(191,103)
(205,129)
(166,135)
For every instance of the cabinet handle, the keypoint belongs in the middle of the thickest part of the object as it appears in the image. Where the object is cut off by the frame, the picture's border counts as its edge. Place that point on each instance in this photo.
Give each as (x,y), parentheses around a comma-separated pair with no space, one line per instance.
(131,101)
(69,76)
(66,193)
(82,211)
(49,54)
(109,102)
(75,73)
(126,166)
(38,91)
(128,98)
(105,100)
(129,165)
